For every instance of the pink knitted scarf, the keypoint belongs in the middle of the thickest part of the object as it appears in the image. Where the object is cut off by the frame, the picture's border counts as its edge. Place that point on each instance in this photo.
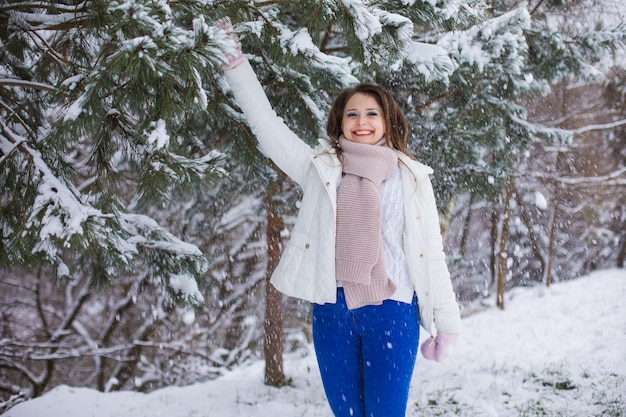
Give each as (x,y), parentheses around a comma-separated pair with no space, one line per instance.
(359,253)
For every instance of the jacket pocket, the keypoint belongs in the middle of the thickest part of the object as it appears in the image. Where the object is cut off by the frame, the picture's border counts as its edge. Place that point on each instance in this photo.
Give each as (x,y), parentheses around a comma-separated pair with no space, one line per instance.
(300,240)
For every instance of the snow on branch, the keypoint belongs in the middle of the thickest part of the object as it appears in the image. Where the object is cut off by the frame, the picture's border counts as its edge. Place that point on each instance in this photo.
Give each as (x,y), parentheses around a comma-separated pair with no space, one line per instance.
(178,169)
(35,20)
(566,135)
(57,212)
(497,42)
(147,233)
(370,23)
(615,178)
(604,126)
(59,7)
(540,130)
(299,43)
(366,24)
(46,351)
(7,147)
(139,12)
(26,84)
(403,24)
(432,61)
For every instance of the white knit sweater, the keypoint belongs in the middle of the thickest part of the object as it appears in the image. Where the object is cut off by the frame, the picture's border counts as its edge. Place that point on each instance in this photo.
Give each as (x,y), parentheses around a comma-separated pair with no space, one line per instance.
(392,201)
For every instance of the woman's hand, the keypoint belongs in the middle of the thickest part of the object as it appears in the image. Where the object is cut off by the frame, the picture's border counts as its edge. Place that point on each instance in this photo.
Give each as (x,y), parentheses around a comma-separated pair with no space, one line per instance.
(237,58)
(439,347)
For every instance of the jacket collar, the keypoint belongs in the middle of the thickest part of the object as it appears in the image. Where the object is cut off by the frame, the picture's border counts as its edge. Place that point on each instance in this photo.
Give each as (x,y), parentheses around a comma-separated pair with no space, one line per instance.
(417,168)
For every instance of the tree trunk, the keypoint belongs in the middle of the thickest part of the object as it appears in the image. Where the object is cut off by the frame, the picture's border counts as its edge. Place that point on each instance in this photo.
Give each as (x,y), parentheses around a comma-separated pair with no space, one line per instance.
(273,324)
(493,242)
(622,252)
(502,254)
(535,243)
(466,226)
(554,215)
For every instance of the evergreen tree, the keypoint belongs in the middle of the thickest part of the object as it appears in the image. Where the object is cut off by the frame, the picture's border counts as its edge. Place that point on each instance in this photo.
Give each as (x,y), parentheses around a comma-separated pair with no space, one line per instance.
(475,125)
(104,107)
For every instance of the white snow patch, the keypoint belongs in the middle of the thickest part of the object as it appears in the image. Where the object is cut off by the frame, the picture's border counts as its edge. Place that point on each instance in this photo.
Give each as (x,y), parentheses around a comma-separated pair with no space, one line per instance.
(558,350)
(540,201)
(158,138)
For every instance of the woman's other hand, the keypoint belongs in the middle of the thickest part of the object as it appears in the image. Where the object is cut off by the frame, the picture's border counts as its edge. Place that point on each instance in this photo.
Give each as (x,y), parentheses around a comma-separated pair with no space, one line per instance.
(439,347)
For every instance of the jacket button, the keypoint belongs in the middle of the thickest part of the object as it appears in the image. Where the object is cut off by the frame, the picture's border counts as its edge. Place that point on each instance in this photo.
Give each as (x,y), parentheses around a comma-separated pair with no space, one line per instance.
(421,255)
(417,217)
(327,183)
(307,246)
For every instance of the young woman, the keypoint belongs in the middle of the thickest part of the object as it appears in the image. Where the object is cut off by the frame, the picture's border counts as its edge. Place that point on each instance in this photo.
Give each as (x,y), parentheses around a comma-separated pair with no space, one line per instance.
(366,248)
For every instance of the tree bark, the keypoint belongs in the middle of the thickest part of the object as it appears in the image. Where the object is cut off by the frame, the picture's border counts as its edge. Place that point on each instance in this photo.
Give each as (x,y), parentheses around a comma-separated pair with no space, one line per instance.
(273,324)
(493,242)
(502,254)
(554,218)
(466,226)
(535,243)
(622,252)
(554,215)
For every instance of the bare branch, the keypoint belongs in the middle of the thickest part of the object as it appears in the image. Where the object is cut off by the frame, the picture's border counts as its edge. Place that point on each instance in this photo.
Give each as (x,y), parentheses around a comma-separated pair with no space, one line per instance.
(612,178)
(41,351)
(604,126)
(26,84)
(59,7)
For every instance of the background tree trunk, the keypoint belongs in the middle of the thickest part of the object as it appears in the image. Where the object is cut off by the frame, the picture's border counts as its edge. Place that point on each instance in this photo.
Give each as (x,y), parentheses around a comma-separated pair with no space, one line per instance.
(535,243)
(273,324)
(466,226)
(493,242)
(554,215)
(622,253)
(502,254)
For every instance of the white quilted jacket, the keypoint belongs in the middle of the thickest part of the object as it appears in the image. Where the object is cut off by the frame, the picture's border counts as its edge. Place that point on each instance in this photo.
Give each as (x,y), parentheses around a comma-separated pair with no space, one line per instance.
(307,266)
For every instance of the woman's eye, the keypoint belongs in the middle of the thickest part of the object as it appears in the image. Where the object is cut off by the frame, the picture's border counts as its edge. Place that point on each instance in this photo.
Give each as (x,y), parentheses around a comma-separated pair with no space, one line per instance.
(372,113)
(352,114)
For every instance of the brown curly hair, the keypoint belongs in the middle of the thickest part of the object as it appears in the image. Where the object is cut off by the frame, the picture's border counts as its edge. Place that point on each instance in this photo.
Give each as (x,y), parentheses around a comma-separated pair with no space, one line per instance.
(397,127)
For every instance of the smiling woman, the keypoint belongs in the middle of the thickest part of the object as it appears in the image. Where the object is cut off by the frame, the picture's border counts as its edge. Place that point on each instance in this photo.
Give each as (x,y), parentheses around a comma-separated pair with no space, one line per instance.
(366,247)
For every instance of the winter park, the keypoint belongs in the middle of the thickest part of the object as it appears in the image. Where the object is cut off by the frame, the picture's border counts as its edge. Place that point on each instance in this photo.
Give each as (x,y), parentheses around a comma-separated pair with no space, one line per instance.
(161,162)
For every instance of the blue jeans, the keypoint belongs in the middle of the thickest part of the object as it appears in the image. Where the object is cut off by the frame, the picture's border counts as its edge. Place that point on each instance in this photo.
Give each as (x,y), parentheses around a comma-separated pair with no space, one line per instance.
(366,356)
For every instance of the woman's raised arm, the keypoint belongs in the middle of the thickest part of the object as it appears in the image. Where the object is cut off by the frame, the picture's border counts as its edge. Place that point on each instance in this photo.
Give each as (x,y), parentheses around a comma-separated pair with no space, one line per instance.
(276,140)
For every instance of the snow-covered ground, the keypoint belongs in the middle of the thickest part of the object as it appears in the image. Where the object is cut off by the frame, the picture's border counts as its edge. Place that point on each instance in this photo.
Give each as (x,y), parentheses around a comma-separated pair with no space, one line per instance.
(558,351)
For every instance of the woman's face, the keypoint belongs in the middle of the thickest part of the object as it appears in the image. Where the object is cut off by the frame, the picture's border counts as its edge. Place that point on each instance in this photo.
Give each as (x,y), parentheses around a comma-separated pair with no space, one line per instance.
(363,120)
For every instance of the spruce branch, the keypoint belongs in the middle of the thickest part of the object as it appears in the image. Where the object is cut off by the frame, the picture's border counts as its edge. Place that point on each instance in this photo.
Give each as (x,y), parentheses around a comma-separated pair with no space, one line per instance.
(439,98)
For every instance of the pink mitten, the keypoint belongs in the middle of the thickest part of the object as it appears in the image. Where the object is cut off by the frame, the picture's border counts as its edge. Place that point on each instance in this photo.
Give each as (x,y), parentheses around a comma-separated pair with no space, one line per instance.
(237,58)
(439,347)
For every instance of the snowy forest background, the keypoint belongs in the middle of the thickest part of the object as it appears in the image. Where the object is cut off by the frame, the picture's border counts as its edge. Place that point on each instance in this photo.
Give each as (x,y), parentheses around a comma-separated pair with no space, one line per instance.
(139,222)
